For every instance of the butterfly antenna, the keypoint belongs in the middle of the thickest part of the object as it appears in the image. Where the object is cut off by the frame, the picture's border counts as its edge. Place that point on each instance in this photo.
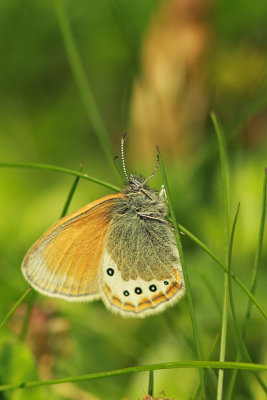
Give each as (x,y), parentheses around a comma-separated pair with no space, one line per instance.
(117,168)
(122,156)
(153,173)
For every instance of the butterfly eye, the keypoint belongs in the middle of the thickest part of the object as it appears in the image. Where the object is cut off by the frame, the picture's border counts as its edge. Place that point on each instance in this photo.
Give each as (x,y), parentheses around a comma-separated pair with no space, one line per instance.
(135,188)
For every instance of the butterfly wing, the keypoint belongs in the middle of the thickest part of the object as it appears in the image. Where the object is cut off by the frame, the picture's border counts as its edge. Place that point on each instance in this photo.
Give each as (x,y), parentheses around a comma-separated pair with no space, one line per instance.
(65,261)
(141,271)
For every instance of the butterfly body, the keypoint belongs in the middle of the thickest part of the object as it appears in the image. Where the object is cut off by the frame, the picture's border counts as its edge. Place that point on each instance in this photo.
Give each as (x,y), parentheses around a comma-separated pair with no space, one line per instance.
(120,248)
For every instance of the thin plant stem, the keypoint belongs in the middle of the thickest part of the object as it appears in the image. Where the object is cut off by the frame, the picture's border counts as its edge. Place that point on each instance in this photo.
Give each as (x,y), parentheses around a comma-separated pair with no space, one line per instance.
(234,277)
(18,302)
(255,271)
(71,193)
(225,195)
(252,287)
(142,368)
(151,383)
(214,379)
(186,278)
(213,293)
(83,83)
(60,169)
(26,319)
(239,339)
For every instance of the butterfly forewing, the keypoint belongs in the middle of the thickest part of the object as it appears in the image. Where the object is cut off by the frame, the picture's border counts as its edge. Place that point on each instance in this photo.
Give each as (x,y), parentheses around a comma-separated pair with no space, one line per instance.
(65,261)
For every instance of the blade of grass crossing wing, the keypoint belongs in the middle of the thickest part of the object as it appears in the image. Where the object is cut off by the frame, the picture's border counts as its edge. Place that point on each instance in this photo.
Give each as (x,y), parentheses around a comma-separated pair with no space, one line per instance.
(187,284)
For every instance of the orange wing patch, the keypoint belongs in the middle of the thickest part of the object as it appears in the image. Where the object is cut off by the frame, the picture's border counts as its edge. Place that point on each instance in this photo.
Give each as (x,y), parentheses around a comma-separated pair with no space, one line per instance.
(65,261)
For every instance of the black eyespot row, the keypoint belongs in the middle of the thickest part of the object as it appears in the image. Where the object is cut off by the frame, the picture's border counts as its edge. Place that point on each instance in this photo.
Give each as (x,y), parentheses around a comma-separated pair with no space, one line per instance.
(110,271)
(138,290)
(166,282)
(152,288)
(126,293)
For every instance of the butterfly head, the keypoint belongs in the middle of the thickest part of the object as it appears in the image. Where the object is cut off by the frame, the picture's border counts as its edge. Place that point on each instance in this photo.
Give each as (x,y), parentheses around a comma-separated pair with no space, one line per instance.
(136,184)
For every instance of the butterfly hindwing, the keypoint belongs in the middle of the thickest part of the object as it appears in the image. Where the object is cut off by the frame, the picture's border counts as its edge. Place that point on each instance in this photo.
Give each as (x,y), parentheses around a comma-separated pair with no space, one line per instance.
(137,297)
(141,271)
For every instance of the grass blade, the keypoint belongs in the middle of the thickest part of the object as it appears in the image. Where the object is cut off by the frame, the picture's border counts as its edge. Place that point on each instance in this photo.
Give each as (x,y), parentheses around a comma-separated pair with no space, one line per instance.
(59,169)
(18,302)
(151,383)
(186,278)
(82,83)
(71,193)
(142,368)
(258,250)
(234,277)
(26,319)
(214,380)
(252,288)
(225,196)
(239,339)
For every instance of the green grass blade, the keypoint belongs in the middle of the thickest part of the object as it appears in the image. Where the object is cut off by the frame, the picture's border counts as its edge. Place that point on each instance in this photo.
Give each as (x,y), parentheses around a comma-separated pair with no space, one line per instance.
(59,169)
(225,196)
(151,383)
(229,272)
(212,291)
(258,250)
(142,368)
(186,278)
(224,182)
(234,277)
(26,319)
(71,193)
(82,82)
(252,288)
(240,341)
(214,380)
(18,302)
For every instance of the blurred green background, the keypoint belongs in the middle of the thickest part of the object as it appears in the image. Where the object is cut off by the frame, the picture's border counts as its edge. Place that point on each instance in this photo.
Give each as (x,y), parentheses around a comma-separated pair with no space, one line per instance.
(156,69)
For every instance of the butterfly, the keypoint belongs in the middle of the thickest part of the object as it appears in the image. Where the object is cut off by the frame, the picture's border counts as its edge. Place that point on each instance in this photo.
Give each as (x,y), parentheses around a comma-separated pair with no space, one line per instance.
(120,248)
